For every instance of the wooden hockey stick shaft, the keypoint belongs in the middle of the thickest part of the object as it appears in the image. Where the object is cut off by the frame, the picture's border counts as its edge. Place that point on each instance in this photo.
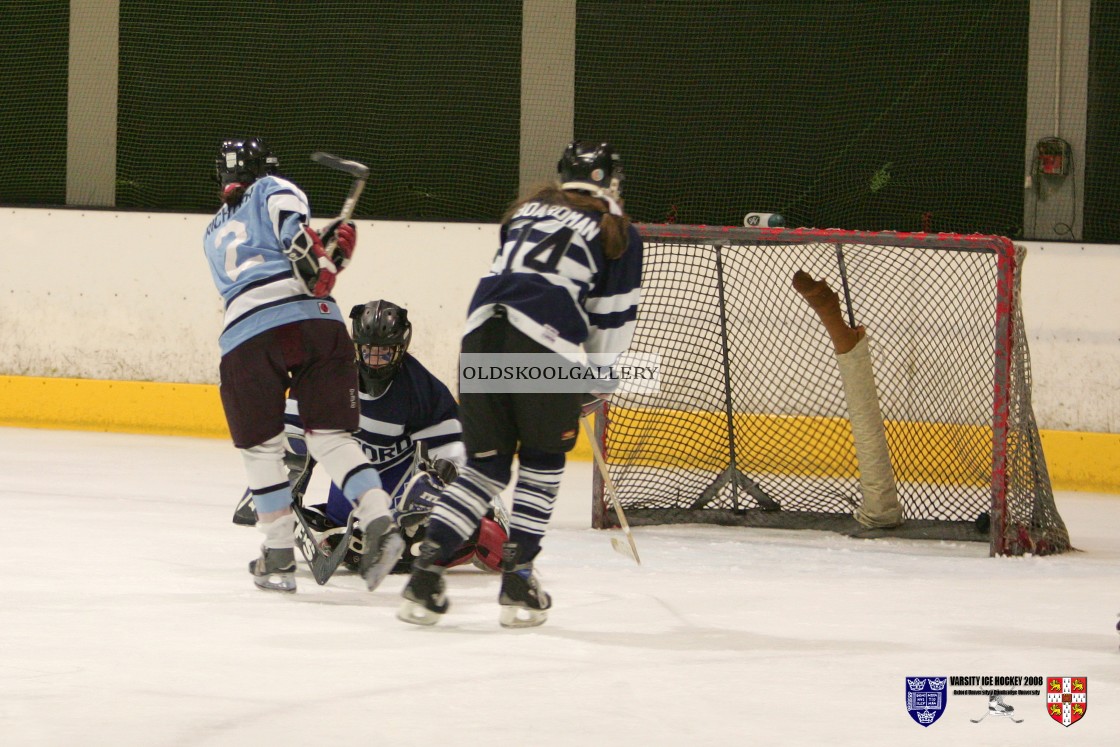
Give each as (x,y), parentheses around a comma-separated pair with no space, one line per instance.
(601,463)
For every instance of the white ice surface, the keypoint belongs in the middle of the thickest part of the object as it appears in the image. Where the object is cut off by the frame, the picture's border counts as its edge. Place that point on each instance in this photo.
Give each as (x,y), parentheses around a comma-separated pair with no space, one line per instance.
(127,617)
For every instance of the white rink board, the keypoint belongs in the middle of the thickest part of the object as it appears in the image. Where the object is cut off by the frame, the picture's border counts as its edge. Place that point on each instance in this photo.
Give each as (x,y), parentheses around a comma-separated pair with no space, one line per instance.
(128,296)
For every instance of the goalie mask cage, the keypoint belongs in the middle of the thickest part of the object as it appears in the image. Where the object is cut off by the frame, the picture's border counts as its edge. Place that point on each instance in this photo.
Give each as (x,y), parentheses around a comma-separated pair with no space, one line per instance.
(750,424)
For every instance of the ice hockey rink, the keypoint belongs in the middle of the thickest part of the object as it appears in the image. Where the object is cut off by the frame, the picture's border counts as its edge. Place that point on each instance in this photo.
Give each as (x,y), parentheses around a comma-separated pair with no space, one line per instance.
(128,618)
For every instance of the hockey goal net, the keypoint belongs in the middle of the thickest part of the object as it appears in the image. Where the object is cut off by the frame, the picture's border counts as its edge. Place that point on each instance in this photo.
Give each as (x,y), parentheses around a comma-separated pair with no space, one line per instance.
(750,425)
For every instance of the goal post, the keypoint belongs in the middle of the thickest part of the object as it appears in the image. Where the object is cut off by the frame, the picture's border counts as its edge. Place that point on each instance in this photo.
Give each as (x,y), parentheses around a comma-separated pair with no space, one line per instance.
(752,423)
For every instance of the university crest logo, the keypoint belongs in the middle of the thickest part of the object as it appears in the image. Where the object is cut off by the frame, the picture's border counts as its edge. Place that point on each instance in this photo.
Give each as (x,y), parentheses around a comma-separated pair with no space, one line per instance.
(1066,698)
(925,698)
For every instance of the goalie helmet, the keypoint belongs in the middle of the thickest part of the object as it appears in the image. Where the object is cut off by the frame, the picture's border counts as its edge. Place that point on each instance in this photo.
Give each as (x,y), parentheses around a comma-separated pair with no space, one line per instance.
(381,332)
(593,168)
(243,161)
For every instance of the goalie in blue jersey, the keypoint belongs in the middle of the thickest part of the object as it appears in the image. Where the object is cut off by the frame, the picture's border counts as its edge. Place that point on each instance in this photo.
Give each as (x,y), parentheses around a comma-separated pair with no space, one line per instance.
(409,430)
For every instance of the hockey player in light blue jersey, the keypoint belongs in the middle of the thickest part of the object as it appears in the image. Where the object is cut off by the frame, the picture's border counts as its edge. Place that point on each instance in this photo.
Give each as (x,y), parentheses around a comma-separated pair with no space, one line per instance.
(565,281)
(284,333)
(410,432)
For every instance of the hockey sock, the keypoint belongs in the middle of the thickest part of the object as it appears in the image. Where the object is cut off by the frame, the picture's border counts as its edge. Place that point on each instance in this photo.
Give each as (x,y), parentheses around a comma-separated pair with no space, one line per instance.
(280,533)
(344,461)
(538,482)
(372,504)
(267,475)
(462,505)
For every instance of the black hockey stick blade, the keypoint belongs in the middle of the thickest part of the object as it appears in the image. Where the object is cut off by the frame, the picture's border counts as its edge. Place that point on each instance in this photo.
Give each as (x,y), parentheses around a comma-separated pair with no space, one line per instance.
(246,513)
(331,161)
(323,565)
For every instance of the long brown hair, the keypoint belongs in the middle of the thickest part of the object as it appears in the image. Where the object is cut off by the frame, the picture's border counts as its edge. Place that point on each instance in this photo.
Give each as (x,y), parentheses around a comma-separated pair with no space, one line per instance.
(615,229)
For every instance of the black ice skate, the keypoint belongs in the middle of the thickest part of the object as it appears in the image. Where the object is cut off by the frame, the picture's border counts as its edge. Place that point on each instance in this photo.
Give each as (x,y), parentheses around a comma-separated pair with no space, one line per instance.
(424,599)
(524,603)
(275,569)
(383,547)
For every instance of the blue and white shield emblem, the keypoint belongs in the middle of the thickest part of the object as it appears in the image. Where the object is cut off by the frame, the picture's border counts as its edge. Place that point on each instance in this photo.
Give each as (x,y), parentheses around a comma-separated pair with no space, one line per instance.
(925,698)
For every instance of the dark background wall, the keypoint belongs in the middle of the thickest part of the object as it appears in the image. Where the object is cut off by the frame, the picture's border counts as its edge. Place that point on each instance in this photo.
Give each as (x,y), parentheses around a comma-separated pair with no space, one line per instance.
(876,115)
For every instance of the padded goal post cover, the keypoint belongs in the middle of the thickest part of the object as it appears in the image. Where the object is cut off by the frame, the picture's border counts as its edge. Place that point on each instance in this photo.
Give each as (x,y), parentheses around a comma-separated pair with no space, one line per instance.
(751,403)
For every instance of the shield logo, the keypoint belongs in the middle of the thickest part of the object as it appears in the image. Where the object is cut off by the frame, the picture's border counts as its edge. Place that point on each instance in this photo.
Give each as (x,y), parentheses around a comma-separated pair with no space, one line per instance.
(925,698)
(1066,698)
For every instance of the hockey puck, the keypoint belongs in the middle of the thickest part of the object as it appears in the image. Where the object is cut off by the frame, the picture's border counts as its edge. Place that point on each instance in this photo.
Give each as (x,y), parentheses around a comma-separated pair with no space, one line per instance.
(983,523)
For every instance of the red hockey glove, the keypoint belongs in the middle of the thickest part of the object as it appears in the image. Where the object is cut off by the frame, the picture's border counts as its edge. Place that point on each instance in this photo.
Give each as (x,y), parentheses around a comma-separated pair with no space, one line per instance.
(339,240)
(312,264)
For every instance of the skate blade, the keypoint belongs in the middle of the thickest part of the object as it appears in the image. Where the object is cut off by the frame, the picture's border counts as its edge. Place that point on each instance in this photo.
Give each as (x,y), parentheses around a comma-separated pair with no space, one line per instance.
(276,582)
(513,616)
(391,551)
(416,613)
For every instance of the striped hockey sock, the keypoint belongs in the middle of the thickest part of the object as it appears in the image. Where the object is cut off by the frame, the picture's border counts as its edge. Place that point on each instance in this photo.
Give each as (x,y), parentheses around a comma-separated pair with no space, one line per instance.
(460,509)
(533,499)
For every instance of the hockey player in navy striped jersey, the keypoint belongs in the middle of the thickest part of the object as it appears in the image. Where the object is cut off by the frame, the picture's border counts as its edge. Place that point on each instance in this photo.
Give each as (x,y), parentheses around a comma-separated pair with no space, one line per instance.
(565,281)
(410,432)
(283,332)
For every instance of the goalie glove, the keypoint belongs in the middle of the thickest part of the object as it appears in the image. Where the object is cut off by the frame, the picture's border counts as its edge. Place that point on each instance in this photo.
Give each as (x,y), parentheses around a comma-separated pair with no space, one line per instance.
(311,263)
(444,470)
(419,499)
(339,240)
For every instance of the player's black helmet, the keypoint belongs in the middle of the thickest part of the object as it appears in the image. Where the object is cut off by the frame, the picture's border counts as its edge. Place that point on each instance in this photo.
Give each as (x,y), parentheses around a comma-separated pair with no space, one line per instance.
(381,332)
(596,168)
(243,160)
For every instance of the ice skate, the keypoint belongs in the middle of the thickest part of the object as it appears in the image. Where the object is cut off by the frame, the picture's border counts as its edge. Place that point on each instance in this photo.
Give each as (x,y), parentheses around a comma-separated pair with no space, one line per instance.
(524,603)
(383,545)
(996,707)
(275,569)
(424,599)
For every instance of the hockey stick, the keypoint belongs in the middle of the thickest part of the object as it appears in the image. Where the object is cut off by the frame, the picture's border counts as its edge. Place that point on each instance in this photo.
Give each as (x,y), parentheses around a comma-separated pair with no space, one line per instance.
(978,720)
(246,512)
(601,463)
(323,565)
(359,171)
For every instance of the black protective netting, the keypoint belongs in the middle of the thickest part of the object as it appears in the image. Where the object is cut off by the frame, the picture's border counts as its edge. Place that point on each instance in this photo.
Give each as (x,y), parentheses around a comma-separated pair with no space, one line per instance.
(425,94)
(878,115)
(769,430)
(874,115)
(33,72)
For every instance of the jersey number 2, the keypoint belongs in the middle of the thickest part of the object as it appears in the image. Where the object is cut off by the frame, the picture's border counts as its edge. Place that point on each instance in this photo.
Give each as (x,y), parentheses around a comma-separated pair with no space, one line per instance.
(236,230)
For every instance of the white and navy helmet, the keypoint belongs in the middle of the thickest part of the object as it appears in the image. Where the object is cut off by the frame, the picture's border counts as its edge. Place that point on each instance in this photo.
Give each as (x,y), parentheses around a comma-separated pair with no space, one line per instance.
(592,168)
